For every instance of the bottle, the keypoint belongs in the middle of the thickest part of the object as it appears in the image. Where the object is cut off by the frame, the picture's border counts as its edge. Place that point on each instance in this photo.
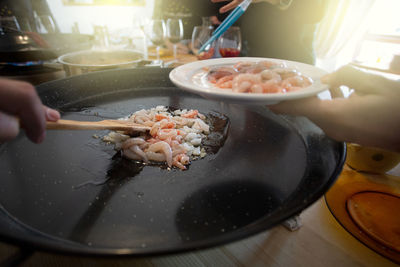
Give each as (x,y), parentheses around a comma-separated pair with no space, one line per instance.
(206,22)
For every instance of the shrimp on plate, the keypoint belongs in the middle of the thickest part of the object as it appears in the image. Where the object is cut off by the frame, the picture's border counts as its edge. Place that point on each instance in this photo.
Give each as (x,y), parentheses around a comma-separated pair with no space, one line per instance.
(258,77)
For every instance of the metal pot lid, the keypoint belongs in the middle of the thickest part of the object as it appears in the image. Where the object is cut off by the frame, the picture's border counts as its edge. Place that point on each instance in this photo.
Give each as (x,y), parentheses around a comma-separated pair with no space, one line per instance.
(101,58)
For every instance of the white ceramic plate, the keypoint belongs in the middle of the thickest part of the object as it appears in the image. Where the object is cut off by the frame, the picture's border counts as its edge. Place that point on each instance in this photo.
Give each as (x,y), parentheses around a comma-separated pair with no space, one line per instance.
(193,78)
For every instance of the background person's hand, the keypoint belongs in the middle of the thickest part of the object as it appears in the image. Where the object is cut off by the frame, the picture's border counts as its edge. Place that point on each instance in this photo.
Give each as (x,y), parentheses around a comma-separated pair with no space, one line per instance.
(235,3)
(370,116)
(21,106)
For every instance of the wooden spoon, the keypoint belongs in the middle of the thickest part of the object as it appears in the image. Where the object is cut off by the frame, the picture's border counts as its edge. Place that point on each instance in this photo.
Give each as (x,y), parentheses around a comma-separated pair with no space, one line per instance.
(115,125)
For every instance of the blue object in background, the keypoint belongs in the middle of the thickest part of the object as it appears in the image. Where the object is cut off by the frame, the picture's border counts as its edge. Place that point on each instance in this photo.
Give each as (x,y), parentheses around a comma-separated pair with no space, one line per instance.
(228,22)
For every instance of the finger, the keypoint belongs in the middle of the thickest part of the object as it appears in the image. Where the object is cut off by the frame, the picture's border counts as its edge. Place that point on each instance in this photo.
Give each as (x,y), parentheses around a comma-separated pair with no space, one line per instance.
(9,127)
(51,114)
(354,78)
(21,100)
(336,92)
(301,107)
(229,6)
(215,20)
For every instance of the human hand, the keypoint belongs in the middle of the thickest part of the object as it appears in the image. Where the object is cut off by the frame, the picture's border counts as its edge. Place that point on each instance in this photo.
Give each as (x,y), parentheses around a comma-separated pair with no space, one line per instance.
(370,116)
(235,3)
(20,105)
(215,20)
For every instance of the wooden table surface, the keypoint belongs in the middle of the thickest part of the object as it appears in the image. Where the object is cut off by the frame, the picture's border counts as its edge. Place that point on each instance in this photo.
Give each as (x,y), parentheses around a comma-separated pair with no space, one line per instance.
(321,241)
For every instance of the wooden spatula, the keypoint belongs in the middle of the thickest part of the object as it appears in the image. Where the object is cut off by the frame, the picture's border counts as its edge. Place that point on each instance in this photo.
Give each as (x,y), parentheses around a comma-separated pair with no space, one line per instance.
(115,125)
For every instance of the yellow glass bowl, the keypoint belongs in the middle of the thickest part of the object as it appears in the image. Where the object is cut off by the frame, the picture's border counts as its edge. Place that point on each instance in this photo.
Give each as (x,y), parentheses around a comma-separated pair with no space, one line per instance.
(370,159)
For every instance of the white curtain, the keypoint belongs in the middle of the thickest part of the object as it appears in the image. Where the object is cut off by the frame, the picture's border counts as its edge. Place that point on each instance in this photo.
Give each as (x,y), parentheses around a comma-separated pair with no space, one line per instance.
(346,21)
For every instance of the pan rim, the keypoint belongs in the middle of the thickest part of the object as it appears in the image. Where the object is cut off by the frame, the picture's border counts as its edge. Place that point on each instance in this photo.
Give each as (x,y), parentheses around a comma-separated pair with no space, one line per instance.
(247,231)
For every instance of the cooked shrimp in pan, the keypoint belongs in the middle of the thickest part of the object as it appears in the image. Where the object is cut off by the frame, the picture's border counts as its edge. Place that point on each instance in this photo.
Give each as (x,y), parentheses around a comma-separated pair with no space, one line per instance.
(175,137)
(261,77)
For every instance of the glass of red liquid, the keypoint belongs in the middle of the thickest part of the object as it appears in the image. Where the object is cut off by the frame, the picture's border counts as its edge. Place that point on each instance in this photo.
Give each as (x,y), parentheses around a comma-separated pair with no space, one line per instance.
(230,43)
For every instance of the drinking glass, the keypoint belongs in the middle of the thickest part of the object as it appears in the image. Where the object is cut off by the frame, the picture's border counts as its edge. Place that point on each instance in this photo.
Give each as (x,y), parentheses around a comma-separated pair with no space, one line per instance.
(24,25)
(9,24)
(139,39)
(174,32)
(101,36)
(45,24)
(206,21)
(155,30)
(230,43)
(200,36)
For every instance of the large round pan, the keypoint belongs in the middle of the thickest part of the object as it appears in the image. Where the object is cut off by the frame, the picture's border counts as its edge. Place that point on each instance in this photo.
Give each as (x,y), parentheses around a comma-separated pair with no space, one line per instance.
(269,169)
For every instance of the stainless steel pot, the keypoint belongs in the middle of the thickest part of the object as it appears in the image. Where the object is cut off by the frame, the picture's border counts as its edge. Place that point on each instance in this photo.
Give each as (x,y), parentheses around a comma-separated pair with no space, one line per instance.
(76,63)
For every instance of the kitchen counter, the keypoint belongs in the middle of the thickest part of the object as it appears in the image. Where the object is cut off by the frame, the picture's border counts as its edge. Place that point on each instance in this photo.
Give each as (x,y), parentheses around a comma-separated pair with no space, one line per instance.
(321,241)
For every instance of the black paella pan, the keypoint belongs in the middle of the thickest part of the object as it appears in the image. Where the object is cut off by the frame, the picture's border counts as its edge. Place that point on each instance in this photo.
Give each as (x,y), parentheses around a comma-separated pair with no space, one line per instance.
(74,194)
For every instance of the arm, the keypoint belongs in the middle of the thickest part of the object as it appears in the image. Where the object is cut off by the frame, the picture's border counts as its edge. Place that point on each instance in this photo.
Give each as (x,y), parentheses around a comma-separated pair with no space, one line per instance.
(235,3)
(370,116)
(305,11)
(20,104)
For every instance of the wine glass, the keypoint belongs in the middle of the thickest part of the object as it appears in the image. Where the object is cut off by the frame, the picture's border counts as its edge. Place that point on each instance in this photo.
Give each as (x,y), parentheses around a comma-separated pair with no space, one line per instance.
(9,24)
(200,36)
(174,32)
(139,37)
(45,24)
(230,43)
(24,25)
(155,30)
(101,36)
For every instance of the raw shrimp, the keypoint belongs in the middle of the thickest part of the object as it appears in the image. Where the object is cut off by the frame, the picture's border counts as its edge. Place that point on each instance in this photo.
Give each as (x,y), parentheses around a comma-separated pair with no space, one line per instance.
(164,134)
(254,67)
(225,82)
(180,121)
(244,82)
(172,133)
(259,77)
(215,74)
(136,149)
(296,83)
(115,137)
(133,141)
(164,148)
(181,160)
(271,64)
(162,124)
(191,114)
(201,126)
(154,156)
(130,154)
(286,73)
(271,86)
(270,74)
(242,65)
(256,88)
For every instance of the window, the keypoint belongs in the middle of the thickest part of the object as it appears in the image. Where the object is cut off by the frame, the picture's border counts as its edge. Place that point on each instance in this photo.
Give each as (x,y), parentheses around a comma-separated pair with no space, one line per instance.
(105,2)
(382,41)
